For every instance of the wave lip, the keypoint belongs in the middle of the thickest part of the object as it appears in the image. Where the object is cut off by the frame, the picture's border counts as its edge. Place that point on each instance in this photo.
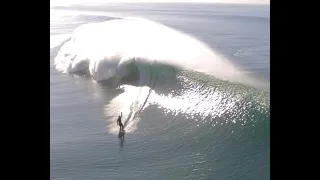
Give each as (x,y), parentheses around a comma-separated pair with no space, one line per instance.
(105,49)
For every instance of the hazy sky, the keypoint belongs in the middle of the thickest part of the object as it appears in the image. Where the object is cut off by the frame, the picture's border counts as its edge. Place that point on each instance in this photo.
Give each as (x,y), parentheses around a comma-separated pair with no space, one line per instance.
(66,2)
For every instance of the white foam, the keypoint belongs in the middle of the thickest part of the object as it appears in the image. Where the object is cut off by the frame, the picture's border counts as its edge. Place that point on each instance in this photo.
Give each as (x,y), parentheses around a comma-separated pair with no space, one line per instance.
(103,47)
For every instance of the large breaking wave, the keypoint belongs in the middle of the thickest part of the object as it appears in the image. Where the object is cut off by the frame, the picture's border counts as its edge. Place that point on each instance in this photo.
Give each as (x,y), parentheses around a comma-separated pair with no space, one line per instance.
(146,54)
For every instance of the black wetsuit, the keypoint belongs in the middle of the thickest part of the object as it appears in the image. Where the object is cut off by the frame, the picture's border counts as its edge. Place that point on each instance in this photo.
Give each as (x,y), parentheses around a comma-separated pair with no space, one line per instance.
(120,123)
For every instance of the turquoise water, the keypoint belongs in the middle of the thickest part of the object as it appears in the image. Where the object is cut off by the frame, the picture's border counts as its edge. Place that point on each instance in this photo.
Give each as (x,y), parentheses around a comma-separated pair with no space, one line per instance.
(187,125)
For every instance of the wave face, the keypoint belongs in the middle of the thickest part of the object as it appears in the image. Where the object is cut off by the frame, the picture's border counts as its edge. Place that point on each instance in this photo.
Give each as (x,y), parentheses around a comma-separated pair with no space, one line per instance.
(195,96)
(158,66)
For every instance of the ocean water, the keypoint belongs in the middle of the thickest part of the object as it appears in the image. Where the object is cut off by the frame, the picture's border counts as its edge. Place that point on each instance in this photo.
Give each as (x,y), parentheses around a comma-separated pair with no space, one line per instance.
(192,82)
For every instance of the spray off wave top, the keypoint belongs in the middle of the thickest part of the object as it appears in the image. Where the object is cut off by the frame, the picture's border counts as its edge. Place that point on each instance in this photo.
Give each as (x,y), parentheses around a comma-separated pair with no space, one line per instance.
(105,49)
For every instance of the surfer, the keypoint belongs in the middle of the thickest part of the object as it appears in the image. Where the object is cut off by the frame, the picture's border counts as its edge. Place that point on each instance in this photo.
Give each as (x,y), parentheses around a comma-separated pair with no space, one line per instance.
(119,122)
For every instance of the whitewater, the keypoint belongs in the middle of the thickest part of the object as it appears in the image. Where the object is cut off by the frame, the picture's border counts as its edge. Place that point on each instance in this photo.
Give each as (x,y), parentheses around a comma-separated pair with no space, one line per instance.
(105,49)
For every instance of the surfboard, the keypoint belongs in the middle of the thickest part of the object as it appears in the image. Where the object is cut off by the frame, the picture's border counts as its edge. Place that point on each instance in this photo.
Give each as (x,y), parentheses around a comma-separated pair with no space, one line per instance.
(121,133)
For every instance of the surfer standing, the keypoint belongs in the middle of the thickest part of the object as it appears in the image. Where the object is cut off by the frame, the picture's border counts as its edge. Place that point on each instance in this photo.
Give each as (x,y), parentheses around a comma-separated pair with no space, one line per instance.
(119,122)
